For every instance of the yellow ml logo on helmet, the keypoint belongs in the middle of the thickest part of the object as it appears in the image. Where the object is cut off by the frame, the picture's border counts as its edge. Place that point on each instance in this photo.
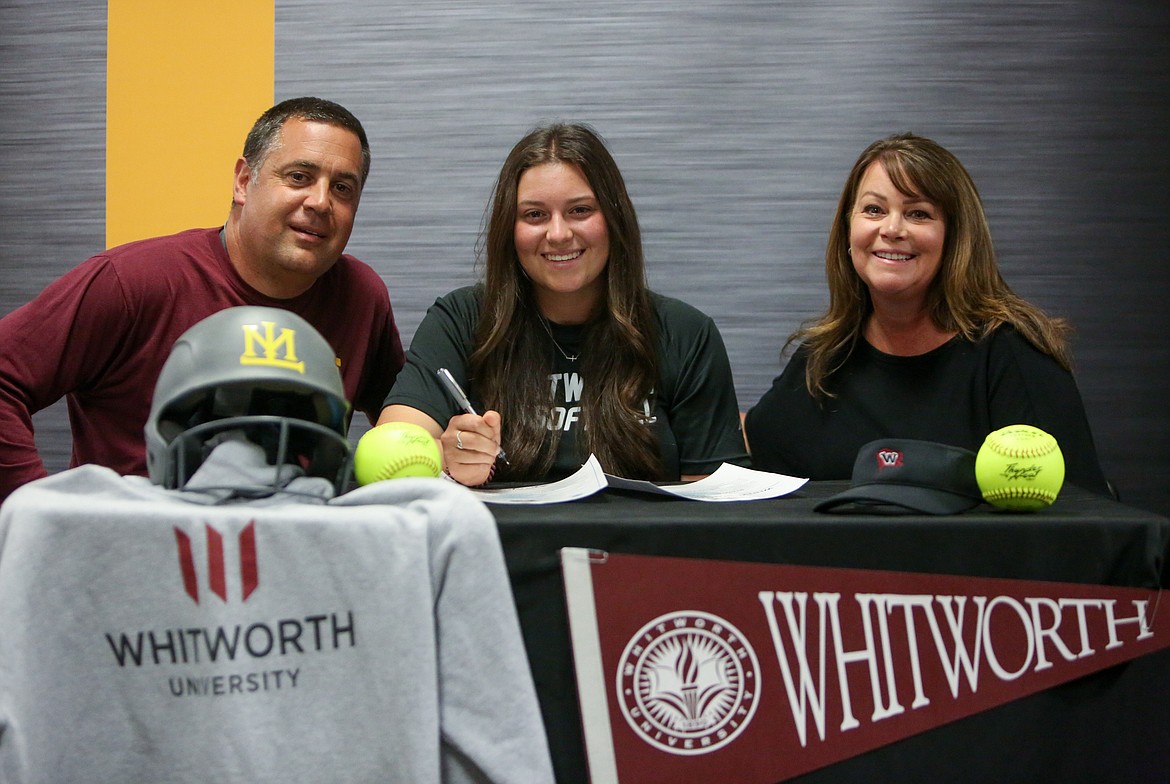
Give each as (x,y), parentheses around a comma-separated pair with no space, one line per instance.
(270,345)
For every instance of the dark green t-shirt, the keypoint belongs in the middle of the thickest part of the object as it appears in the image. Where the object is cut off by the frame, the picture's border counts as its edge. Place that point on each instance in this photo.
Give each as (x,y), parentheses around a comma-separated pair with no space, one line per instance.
(694,411)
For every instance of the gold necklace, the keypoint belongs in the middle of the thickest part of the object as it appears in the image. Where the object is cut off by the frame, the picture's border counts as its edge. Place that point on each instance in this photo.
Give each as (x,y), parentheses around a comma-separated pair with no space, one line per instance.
(548,329)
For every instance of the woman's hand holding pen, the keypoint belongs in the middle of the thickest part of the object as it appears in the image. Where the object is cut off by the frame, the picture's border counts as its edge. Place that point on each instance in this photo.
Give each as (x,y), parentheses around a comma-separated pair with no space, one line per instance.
(471,444)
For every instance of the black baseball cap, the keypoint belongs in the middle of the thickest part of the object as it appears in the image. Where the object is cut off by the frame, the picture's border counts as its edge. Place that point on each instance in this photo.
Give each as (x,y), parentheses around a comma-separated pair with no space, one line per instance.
(901,475)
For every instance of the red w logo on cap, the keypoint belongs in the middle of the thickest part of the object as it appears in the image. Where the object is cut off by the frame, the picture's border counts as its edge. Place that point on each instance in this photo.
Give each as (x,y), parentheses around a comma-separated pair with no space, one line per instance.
(889,458)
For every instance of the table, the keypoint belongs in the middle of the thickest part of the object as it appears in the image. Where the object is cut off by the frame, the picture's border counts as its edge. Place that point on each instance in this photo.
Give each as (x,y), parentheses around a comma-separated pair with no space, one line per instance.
(1111,726)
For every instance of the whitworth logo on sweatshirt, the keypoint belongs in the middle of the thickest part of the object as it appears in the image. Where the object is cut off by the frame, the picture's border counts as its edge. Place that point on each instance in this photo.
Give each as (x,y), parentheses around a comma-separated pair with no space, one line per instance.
(216,574)
(218,653)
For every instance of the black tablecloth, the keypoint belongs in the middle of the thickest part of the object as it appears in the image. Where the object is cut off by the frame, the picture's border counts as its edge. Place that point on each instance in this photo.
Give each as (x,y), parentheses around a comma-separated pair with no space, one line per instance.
(1107,727)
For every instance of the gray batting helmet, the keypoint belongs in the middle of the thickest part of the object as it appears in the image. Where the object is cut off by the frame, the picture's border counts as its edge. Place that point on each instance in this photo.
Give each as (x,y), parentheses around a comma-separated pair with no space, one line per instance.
(262,371)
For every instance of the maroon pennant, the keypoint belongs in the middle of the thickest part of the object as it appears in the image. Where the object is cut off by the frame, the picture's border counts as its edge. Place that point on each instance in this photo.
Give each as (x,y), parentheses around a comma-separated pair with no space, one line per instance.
(784,669)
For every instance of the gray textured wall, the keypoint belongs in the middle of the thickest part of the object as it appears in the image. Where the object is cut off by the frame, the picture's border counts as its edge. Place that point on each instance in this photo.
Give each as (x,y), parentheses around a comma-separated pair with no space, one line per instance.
(734,122)
(52,159)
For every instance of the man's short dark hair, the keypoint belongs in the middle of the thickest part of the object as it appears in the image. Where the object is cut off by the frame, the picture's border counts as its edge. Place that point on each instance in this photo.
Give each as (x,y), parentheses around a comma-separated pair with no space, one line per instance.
(266,130)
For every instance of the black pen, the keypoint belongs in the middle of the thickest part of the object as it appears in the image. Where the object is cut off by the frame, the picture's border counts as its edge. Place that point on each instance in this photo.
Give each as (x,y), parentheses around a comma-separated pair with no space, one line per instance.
(460,397)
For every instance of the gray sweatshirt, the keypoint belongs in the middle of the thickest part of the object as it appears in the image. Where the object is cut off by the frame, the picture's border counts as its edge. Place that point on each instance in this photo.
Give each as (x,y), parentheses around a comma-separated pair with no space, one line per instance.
(153,636)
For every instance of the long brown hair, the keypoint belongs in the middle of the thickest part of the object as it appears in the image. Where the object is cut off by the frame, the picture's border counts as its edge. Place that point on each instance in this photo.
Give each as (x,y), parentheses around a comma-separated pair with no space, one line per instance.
(511,361)
(968,295)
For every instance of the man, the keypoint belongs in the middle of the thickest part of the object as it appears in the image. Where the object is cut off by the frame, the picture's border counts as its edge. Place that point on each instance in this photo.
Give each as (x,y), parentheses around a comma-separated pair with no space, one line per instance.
(99,335)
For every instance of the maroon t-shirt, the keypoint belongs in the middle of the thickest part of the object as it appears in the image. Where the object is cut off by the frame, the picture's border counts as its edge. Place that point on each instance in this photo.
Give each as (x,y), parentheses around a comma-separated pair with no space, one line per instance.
(99,335)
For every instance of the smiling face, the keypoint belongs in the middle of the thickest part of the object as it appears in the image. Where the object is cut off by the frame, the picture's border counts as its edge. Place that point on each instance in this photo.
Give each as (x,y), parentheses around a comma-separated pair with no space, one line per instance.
(292,216)
(562,241)
(895,240)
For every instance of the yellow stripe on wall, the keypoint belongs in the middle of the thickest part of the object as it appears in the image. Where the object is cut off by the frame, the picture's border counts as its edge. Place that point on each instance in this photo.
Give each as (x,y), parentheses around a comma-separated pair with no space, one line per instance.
(184,83)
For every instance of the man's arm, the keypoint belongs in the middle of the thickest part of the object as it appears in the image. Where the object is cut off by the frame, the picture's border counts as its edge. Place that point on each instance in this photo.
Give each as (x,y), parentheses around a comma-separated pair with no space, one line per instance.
(48,348)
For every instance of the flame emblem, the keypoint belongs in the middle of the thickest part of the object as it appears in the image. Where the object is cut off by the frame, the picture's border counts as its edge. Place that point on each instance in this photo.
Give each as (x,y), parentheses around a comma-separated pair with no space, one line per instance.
(688,682)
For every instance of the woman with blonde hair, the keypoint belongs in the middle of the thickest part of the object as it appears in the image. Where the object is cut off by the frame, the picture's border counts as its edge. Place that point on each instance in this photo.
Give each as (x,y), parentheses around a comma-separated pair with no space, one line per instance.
(562,348)
(922,338)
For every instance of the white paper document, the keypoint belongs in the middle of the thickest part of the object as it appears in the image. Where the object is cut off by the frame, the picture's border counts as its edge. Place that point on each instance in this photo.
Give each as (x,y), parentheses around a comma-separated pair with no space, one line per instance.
(587,480)
(728,483)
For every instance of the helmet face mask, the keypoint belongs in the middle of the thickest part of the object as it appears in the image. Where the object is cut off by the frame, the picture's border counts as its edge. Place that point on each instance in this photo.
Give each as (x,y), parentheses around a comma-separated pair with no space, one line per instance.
(259,374)
(316,449)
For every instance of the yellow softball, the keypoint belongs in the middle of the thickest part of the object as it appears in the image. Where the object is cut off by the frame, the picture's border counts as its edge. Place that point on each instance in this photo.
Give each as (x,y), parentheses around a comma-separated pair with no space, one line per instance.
(1019,467)
(393,451)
